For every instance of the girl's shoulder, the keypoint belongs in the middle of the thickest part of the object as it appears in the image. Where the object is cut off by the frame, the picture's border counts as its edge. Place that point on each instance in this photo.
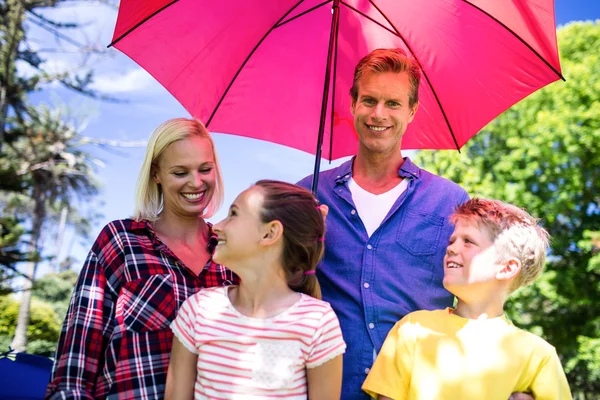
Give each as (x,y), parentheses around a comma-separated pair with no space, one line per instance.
(212,296)
(313,308)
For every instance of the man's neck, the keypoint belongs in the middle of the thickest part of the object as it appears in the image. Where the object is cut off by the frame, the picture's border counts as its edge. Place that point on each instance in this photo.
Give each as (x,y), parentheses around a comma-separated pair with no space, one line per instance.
(377,173)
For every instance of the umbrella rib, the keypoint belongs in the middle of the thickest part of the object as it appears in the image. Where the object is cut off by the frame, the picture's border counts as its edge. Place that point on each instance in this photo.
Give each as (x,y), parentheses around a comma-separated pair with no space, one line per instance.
(518,37)
(247,59)
(141,22)
(335,54)
(424,74)
(303,13)
(371,19)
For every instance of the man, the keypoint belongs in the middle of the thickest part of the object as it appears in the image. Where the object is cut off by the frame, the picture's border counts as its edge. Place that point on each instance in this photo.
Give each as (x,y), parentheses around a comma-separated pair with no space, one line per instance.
(387,226)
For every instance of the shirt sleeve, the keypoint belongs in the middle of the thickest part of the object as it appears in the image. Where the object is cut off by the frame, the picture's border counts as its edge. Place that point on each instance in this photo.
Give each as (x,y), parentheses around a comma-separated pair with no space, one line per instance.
(183,325)
(83,336)
(327,342)
(391,373)
(550,382)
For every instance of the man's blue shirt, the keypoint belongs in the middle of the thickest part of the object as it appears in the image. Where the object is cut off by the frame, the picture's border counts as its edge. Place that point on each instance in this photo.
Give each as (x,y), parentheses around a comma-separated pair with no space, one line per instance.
(373,282)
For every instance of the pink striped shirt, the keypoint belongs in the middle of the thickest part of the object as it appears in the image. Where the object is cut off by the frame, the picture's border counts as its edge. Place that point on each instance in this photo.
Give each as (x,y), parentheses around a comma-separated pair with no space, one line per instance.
(254,358)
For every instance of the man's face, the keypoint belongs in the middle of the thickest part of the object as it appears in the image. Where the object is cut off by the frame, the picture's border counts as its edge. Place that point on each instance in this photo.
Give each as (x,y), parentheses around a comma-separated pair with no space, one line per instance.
(382,112)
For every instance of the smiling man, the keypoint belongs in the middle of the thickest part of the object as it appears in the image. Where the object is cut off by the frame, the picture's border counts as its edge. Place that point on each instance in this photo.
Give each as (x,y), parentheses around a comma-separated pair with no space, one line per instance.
(388,225)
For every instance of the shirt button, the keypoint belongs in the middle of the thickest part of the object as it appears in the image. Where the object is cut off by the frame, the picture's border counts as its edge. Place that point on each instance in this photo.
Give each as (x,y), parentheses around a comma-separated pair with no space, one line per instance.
(367,370)
(353,212)
(369,247)
(371,325)
(366,285)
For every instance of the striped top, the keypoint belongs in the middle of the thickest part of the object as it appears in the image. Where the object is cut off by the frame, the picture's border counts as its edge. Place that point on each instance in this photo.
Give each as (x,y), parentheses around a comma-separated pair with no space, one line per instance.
(255,358)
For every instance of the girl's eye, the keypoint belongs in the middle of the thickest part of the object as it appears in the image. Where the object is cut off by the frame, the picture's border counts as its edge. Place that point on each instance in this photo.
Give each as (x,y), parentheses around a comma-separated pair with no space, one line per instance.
(179,173)
(205,170)
(232,213)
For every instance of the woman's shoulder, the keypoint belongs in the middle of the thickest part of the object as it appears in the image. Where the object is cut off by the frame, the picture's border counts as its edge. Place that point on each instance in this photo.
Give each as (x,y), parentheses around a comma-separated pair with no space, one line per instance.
(121,229)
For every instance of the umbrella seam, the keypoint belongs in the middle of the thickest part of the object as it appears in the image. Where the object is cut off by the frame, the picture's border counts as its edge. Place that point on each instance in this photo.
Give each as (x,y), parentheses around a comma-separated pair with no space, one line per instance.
(423,71)
(518,37)
(303,13)
(246,60)
(371,19)
(141,23)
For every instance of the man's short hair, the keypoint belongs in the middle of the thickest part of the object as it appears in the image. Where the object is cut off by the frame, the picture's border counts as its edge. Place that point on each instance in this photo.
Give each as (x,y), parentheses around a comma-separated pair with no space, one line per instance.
(514,232)
(388,60)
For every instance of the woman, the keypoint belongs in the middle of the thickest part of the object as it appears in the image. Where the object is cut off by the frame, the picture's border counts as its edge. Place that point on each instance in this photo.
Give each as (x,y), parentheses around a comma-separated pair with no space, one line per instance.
(116,340)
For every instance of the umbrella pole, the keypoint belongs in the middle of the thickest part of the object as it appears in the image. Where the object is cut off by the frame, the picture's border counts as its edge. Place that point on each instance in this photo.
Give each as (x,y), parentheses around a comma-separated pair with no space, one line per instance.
(334,25)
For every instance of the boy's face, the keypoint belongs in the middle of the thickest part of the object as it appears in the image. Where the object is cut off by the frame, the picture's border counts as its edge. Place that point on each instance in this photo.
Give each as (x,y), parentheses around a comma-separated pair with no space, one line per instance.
(471,260)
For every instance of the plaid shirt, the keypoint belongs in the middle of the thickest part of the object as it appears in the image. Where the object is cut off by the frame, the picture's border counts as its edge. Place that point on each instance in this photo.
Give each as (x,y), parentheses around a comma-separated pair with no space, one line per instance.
(116,340)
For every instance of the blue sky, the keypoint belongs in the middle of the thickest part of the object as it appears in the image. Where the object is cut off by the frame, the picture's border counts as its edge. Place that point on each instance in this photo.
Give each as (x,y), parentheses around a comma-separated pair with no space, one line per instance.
(243,160)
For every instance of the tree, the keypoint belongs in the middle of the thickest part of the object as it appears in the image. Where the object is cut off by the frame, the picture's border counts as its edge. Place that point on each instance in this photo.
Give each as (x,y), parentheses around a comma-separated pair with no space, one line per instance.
(43,331)
(543,154)
(55,171)
(14,17)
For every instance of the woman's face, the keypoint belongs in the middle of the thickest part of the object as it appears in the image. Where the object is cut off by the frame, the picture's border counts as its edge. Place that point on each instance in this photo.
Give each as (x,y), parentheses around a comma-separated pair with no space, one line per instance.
(186,173)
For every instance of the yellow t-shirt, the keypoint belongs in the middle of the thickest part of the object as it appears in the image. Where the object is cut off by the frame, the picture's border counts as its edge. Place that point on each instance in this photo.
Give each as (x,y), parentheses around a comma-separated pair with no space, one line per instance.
(438,355)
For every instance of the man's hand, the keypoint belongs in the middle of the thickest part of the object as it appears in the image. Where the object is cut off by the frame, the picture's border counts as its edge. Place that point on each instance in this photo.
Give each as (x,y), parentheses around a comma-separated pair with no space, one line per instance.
(521,396)
(324,211)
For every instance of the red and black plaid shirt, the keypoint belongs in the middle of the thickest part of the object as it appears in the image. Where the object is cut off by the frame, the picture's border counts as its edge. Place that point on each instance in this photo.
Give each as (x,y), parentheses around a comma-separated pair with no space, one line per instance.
(116,340)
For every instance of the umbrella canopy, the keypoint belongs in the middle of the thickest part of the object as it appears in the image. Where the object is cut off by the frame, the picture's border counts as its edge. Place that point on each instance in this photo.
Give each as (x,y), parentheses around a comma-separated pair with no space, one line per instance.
(281,70)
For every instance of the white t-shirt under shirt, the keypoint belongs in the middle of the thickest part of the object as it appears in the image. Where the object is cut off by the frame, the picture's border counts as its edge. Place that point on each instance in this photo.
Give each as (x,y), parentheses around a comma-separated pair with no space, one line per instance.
(255,358)
(372,208)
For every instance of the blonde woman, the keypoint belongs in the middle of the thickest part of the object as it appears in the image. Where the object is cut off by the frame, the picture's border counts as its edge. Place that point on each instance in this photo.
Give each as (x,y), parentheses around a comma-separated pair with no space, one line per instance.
(116,339)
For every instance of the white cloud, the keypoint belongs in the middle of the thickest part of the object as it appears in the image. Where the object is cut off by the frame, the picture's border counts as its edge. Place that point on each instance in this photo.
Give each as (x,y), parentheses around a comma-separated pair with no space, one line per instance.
(134,80)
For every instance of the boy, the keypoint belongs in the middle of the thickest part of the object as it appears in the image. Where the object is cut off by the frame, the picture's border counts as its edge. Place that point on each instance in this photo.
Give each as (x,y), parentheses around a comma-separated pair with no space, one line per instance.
(474,351)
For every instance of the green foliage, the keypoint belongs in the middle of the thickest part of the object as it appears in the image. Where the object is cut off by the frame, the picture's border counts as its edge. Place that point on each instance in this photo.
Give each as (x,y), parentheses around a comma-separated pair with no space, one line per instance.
(43,330)
(56,290)
(543,154)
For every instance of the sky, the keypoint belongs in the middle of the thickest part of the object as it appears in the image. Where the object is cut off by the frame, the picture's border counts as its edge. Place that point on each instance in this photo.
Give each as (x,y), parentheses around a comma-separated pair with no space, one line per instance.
(146,104)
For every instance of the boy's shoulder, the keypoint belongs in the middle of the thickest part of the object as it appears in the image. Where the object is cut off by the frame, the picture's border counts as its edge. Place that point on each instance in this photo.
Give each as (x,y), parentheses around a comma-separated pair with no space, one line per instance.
(423,320)
(532,341)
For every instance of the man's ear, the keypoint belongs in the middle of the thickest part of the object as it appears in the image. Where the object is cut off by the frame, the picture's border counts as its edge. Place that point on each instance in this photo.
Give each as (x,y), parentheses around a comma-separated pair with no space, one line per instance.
(272,232)
(511,268)
(413,112)
(352,106)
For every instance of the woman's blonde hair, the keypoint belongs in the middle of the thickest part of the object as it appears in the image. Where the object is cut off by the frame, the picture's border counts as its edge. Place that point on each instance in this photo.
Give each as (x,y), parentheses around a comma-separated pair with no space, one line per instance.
(148,196)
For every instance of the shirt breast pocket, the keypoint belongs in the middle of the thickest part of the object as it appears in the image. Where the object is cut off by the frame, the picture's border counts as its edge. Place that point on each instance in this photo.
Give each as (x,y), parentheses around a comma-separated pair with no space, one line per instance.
(419,233)
(147,304)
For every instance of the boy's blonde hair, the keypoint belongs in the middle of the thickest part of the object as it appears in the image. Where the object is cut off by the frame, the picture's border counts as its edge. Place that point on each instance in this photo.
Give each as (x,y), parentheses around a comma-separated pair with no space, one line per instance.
(148,197)
(514,232)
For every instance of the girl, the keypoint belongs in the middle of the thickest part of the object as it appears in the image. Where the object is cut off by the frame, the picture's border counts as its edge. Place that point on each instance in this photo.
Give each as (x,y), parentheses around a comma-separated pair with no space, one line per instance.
(271,336)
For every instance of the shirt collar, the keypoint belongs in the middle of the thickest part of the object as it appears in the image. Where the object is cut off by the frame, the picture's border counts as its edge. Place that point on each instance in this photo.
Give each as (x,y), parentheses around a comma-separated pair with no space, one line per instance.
(407,170)
(146,227)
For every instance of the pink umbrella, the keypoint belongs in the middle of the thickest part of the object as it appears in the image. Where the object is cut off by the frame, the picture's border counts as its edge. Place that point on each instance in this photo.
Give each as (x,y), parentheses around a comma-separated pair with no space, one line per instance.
(281,70)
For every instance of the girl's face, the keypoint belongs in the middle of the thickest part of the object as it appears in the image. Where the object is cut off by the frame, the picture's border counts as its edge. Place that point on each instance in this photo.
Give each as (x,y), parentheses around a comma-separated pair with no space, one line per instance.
(186,173)
(241,231)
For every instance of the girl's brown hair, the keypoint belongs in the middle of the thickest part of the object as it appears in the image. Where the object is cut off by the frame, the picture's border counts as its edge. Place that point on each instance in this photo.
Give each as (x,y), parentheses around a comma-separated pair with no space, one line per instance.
(303,232)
